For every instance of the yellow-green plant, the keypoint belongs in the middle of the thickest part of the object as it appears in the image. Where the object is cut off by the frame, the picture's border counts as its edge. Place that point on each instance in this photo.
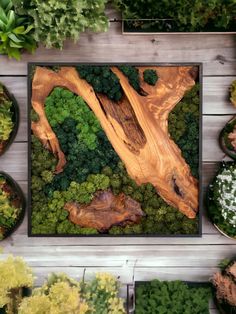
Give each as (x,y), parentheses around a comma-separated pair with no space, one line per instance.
(6,123)
(15,275)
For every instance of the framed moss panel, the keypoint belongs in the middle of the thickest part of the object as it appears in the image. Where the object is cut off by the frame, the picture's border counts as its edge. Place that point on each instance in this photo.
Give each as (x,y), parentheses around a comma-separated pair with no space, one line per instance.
(115,149)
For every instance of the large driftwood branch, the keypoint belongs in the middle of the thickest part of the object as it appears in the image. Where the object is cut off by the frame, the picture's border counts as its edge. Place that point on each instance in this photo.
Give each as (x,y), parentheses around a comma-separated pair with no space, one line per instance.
(137,127)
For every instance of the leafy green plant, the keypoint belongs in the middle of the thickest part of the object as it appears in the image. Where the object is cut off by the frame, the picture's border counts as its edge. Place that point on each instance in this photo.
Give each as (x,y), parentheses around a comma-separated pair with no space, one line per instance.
(55,21)
(221,199)
(171,297)
(6,123)
(15,31)
(15,276)
(201,15)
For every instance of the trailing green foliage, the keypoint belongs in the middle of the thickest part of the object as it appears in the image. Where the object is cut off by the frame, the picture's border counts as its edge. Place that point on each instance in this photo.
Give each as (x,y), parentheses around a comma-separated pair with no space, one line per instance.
(55,21)
(171,297)
(183,127)
(201,15)
(102,79)
(15,31)
(221,199)
(6,123)
(150,76)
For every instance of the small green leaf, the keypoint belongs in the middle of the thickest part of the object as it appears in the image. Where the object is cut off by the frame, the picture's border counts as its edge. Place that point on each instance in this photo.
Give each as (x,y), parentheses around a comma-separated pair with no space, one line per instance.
(14,38)
(14,45)
(14,53)
(19,30)
(28,29)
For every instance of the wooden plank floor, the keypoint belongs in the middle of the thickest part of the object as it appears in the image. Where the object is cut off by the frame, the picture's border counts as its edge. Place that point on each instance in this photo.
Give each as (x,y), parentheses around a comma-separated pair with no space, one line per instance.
(185,258)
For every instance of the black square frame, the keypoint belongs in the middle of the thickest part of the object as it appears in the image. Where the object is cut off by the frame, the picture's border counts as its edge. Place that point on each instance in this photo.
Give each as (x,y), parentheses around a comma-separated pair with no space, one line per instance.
(60,64)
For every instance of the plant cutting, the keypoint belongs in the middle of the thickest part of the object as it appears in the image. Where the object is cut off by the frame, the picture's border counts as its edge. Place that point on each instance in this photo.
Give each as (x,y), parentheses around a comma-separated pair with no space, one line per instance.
(55,21)
(221,200)
(225,288)
(88,175)
(9,118)
(15,31)
(171,297)
(177,16)
(228,134)
(12,205)
(16,281)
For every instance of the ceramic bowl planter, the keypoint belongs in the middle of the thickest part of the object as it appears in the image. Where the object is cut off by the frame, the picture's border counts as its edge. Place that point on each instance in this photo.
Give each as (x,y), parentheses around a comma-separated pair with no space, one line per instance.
(101,144)
(225,142)
(9,112)
(12,205)
(220,200)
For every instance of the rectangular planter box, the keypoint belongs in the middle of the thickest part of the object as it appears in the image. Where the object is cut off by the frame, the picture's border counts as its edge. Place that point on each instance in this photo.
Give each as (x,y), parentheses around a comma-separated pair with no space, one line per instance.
(31,69)
(131,291)
(132,26)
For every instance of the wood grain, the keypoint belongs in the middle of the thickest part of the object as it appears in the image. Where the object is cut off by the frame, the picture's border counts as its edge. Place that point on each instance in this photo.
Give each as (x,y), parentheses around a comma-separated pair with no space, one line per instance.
(217,52)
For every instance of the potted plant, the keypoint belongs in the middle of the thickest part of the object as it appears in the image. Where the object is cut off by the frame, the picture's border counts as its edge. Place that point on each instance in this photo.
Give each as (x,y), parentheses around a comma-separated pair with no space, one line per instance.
(228,134)
(12,205)
(154,297)
(220,201)
(16,282)
(224,283)
(90,154)
(9,119)
(177,16)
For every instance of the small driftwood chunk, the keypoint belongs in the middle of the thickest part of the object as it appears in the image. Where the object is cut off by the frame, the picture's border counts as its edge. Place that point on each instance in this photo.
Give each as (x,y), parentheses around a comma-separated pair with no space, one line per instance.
(105,211)
(226,288)
(232,138)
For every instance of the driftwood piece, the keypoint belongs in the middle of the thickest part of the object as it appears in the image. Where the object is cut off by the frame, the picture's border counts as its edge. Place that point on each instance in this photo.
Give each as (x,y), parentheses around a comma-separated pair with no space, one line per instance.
(105,211)
(232,138)
(225,288)
(138,130)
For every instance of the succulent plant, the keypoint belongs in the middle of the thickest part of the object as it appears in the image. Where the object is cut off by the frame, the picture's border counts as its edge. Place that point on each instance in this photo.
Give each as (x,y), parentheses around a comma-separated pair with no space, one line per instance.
(15,32)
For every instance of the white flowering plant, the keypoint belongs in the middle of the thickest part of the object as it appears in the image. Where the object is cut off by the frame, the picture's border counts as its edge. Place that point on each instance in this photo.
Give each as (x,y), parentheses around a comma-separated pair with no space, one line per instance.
(222,199)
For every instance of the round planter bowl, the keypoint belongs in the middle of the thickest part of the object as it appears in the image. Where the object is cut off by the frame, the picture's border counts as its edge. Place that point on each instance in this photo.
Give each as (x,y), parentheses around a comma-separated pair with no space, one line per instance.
(224,234)
(15,119)
(21,196)
(223,146)
(207,203)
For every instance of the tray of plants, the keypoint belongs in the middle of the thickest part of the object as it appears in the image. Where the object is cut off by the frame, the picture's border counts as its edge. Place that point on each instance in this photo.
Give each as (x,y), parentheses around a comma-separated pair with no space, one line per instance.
(110,150)
(220,200)
(224,283)
(166,297)
(9,118)
(12,205)
(201,17)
